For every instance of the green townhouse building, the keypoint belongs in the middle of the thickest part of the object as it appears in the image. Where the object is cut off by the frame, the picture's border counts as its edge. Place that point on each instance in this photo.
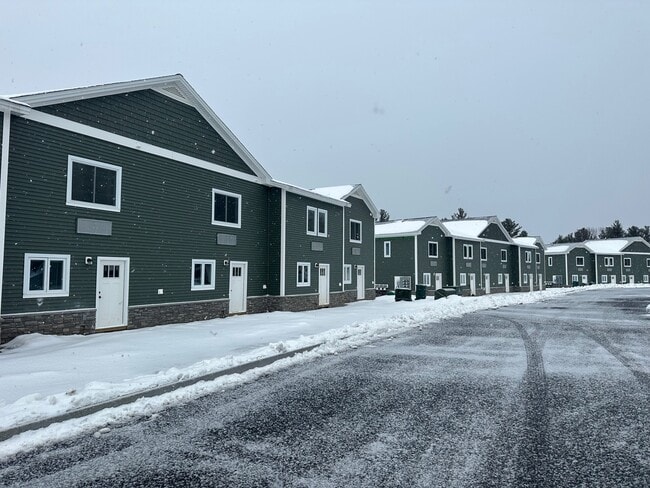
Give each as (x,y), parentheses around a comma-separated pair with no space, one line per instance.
(131,204)
(532,272)
(624,260)
(412,252)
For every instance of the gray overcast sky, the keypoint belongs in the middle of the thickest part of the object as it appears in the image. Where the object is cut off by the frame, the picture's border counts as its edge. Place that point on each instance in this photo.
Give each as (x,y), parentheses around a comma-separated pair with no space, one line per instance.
(538,111)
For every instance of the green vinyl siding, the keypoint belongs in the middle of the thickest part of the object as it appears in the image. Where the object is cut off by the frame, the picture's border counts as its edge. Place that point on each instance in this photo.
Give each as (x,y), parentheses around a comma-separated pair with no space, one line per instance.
(494,232)
(558,268)
(433,265)
(401,262)
(164,222)
(588,268)
(467,266)
(275,237)
(360,211)
(638,247)
(299,244)
(493,265)
(151,117)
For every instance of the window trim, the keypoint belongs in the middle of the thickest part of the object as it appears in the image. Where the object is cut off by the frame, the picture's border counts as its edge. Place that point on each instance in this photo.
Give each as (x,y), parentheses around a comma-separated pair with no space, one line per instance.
(307,267)
(360,230)
(581,258)
(604,278)
(500,279)
(318,231)
(202,263)
(623,279)
(646,279)
(426,279)
(627,260)
(96,206)
(435,243)
(45,293)
(528,256)
(317,213)
(550,260)
(538,258)
(468,251)
(387,249)
(504,252)
(608,261)
(575,277)
(483,251)
(237,225)
(347,274)
(463,279)
(647,262)
(525,278)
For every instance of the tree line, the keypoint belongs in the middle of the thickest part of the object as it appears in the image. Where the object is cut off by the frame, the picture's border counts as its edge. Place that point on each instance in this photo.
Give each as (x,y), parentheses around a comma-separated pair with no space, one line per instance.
(614,231)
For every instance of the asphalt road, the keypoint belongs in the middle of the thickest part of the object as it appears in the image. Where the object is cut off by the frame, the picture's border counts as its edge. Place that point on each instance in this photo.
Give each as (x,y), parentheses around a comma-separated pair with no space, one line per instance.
(550,394)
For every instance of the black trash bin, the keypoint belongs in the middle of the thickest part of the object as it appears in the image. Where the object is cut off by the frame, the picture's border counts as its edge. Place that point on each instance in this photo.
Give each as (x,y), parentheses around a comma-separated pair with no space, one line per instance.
(402,294)
(445,292)
(420,292)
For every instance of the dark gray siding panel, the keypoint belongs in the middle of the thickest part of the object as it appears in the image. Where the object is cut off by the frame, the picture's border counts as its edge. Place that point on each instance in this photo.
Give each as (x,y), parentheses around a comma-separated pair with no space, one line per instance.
(164,223)
(493,265)
(493,231)
(153,118)
(468,266)
(401,262)
(275,218)
(638,247)
(434,265)
(299,244)
(360,211)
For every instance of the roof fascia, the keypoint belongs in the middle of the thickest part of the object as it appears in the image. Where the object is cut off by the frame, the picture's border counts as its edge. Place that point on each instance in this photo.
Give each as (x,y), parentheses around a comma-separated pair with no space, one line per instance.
(7,105)
(360,191)
(307,193)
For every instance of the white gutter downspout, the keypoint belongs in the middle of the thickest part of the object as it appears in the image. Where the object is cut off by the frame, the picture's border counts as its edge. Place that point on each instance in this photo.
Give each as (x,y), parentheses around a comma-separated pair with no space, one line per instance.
(520,266)
(596,266)
(4,176)
(415,258)
(283,240)
(343,255)
(566,269)
(453,258)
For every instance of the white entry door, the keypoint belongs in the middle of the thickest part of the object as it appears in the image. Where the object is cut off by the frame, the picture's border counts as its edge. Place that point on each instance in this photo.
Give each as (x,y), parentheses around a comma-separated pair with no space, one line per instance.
(438,281)
(486,278)
(323,284)
(540,282)
(613,279)
(472,284)
(112,292)
(238,288)
(531,281)
(506,280)
(585,280)
(631,280)
(361,282)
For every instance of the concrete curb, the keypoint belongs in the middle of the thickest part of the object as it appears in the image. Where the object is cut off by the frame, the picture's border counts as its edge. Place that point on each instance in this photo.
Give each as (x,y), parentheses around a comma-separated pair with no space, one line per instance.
(116,402)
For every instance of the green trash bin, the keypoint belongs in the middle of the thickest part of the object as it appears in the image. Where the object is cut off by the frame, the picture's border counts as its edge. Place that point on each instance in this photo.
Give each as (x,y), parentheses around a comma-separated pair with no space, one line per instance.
(402,294)
(420,292)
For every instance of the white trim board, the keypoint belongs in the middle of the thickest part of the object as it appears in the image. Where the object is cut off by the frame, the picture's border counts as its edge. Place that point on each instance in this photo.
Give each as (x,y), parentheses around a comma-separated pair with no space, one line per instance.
(4,175)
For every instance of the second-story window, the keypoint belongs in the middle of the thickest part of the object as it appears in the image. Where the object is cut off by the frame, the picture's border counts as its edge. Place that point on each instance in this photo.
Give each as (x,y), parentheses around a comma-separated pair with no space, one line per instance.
(484,254)
(528,256)
(316,222)
(226,208)
(355,231)
(468,251)
(92,184)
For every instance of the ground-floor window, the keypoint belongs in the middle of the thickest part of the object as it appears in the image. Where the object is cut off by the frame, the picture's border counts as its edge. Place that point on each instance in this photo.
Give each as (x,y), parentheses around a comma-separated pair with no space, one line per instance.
(525,278)
(645,278)
(623,279)
(574,278)
(500,278)
(302,274)
(603,279)
(347,274)
(463,279)
(403,282)
(426,279)
(203,274)
(46,275)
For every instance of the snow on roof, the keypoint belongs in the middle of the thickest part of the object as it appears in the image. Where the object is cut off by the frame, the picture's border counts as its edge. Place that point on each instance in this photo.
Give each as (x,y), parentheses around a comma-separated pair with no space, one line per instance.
(339,192)
(466,228)
(558,248)
(607,246)
(525,241)
(396,227)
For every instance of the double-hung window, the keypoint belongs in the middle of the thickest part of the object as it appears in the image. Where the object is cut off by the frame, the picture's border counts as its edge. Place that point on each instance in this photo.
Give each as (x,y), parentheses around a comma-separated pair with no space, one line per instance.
(226,208)
(550,260)
(525,278)
(355,231)
(203,274)
(500,278)
(609,261)
(528,256)
(46,275)
(504,256)
(347,274)
(426,279)
(387,249)
(580,261)
(603,278)
(92,184)
(433,249)
(484,254)
(627,262)
(538,258)
(468,251)
(302,274)
(463,279)
(316,222)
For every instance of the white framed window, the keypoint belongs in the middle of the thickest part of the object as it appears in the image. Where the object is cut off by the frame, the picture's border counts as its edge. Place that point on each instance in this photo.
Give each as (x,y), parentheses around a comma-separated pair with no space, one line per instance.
(603,278)
(387,249)
(550,260)
(46,275)
(627,262)
(525,278)
(432,249)
(355,231)
(316,222)
(203,271)
(403,282)
(609,261)
(468,251)
(303,274)
(538,258)
(647,262)
(645,278)
(623,279)
(226,208)
(528,256)
(580,261)
(484,254)
(426,279)
(500,279)
(92,184)
(504,255)
(463,279)
(347,274)
(574,278)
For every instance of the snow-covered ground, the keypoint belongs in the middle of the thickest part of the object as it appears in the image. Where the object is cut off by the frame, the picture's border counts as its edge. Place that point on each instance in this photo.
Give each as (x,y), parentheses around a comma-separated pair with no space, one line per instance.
(44,376)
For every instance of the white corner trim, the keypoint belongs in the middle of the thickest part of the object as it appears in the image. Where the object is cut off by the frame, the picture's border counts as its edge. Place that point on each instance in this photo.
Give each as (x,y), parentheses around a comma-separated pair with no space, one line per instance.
(103,135)
(283,241)
(4,174)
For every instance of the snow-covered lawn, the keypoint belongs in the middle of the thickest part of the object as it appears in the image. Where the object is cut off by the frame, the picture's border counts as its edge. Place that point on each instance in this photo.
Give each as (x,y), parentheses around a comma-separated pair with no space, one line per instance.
(44,376)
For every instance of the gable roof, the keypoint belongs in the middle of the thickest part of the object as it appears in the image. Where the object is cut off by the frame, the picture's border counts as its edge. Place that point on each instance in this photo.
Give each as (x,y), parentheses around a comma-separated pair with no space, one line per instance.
(563,248)
(612,246)
(173,86)
(344,191)
(473,228)
(529,241)
(406,227)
